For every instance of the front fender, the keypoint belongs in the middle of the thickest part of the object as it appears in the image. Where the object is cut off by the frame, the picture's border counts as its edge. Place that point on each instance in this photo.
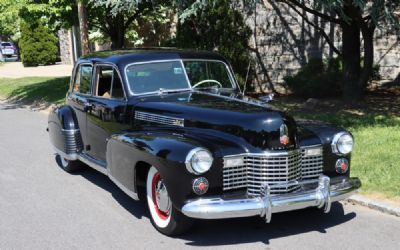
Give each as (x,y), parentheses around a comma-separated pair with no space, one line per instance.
(165,151)
(315,131)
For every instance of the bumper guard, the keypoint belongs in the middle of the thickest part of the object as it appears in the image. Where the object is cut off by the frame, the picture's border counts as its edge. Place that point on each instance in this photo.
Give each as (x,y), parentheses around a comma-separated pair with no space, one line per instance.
(266,204)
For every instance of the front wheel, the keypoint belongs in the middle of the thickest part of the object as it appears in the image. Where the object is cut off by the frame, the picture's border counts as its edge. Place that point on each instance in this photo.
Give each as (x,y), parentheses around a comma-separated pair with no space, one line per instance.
(164,217)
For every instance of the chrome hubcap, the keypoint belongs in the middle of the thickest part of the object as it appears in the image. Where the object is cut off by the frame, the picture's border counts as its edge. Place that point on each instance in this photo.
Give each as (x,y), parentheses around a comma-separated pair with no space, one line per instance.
(162,198)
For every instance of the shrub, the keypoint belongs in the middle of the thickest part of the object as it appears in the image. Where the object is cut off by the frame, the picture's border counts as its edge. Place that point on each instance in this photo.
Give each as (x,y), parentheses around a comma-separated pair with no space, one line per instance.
(317,79)
(38,45)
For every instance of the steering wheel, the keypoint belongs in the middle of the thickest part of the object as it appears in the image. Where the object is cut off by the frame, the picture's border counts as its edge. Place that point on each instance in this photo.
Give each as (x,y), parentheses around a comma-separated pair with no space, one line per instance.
(207,80)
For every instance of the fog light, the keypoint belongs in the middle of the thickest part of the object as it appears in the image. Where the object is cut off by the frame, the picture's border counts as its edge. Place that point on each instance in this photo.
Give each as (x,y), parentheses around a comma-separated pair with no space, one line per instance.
(313,151)
(200,185)
(342,165)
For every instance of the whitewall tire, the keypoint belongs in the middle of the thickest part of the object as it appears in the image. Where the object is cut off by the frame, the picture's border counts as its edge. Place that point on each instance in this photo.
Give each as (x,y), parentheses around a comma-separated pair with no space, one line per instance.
(164,217)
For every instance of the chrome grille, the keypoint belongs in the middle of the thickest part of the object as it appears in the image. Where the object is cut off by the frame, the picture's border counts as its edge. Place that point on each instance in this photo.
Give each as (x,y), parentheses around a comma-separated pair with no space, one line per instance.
(160,119)
(284,169)
(311,166)
(258,170)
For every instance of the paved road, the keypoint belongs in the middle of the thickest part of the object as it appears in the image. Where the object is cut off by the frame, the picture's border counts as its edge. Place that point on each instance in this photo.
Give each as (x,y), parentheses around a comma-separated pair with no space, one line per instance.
(42,207)
(16,70)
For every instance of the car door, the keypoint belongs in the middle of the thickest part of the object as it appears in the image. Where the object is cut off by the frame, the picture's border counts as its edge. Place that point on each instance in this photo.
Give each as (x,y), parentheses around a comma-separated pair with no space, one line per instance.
(107,110)
(77,98)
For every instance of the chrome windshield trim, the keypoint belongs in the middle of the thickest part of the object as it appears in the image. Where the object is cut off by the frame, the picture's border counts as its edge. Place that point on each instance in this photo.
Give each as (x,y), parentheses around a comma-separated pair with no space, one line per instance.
(131,93)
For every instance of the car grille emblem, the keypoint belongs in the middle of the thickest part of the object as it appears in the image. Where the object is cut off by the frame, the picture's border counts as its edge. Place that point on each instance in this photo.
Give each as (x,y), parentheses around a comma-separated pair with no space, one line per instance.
(284,134)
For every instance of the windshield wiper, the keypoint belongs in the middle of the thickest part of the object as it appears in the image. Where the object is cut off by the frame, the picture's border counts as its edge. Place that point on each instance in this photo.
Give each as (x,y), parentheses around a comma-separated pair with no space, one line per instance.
(163,91)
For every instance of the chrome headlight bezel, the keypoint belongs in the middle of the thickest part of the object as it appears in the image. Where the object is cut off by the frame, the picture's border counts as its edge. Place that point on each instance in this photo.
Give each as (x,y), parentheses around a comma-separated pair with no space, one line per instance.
(192,166)
(338,142)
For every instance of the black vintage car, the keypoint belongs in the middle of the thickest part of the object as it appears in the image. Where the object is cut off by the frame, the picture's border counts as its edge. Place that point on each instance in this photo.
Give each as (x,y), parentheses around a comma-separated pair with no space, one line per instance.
(172,127)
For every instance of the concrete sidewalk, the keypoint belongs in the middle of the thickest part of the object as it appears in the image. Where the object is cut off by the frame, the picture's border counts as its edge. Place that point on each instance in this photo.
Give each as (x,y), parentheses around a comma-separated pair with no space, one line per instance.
(17,70)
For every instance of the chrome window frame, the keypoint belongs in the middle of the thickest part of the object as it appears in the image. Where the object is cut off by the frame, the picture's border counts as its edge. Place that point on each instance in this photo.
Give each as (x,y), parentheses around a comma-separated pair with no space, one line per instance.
(94,82)
(131,93)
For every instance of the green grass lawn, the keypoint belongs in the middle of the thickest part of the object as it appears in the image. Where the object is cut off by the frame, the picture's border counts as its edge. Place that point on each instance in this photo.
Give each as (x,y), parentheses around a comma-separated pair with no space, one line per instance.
(35,89)
(376,155)
(376,128)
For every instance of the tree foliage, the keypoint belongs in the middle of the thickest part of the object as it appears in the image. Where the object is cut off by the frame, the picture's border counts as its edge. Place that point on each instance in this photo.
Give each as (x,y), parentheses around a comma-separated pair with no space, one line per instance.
(216,26)
(115,18)
(38,45)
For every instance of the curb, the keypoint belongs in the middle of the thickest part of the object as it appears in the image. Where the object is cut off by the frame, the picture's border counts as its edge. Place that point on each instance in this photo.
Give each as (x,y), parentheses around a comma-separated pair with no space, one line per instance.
(377,205)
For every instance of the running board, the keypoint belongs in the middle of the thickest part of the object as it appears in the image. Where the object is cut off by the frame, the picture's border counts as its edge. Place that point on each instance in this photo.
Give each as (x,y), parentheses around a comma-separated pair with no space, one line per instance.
(98,165)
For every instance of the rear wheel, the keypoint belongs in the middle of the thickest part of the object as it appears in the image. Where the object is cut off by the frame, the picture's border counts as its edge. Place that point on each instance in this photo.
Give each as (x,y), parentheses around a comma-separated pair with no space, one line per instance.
(164,217)
(69,166)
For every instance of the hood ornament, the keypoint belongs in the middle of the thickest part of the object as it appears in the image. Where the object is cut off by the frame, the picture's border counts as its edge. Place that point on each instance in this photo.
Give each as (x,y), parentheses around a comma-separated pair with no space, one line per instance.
(284,134)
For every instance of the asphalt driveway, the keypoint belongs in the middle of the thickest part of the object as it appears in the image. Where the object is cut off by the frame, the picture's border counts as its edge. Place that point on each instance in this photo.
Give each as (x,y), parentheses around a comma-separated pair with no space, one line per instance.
(42,207)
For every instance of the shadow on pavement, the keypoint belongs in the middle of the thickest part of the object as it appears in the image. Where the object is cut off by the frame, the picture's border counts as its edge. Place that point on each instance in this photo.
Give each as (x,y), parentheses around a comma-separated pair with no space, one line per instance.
(234,231)
(254,229)
(136,208)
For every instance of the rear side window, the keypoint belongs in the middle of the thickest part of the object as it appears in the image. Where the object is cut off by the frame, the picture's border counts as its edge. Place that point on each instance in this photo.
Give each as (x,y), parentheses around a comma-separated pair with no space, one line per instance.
(83,79)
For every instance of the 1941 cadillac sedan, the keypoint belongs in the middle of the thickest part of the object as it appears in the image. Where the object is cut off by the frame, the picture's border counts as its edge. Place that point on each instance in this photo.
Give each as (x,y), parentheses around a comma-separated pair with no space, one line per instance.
(172,127)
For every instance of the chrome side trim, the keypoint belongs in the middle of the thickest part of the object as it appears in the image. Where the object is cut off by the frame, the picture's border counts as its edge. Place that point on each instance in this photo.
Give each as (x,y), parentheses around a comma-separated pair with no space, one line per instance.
(160,119)
(265,205)
(93,163)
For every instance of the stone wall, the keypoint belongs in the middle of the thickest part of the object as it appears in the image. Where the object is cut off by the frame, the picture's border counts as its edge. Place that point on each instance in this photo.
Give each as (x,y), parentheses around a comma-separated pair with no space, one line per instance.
(64,37)
(285,42)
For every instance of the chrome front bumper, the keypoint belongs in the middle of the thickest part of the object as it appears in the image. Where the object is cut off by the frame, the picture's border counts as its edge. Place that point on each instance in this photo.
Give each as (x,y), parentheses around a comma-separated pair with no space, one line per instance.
(265,205)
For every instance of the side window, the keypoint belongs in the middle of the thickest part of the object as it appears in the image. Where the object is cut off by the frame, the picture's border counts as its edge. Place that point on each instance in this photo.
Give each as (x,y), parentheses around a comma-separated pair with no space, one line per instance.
(83,80)
(104,77)
(108,83)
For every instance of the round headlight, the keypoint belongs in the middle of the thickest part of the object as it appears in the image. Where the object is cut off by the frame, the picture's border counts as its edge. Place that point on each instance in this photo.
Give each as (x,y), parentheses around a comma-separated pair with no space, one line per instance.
(198,161)
(342,143)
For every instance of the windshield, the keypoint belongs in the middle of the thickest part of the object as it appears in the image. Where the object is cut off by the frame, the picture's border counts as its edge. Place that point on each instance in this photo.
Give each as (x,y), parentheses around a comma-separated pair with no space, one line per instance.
(156,76)
(177,75)
(206,74)
(6,44)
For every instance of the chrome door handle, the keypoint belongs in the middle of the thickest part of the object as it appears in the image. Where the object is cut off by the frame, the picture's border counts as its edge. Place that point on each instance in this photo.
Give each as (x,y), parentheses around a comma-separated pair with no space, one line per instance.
(87,106)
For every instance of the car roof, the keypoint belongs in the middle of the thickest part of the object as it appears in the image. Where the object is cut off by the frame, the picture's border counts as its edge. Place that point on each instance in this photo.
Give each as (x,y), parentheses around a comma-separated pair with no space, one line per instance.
(128,56)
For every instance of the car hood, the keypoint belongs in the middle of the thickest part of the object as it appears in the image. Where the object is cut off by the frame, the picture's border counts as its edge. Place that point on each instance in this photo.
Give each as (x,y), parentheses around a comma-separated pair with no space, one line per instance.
(252,121)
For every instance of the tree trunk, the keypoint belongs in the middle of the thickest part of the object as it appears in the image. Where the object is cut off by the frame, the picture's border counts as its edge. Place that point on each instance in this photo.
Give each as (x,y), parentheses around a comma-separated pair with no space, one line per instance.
(352,90)
(117,34)
(83,26)
(368,37)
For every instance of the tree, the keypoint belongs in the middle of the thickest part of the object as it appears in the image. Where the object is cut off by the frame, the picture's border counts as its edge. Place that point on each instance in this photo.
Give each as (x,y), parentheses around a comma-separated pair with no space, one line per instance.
(216,26)
(83,26)
(114,18)
(357,19)
(9,19)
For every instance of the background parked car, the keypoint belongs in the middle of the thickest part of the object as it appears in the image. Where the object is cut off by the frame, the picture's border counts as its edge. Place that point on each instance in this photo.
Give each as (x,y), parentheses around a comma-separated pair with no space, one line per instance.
(8,49)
